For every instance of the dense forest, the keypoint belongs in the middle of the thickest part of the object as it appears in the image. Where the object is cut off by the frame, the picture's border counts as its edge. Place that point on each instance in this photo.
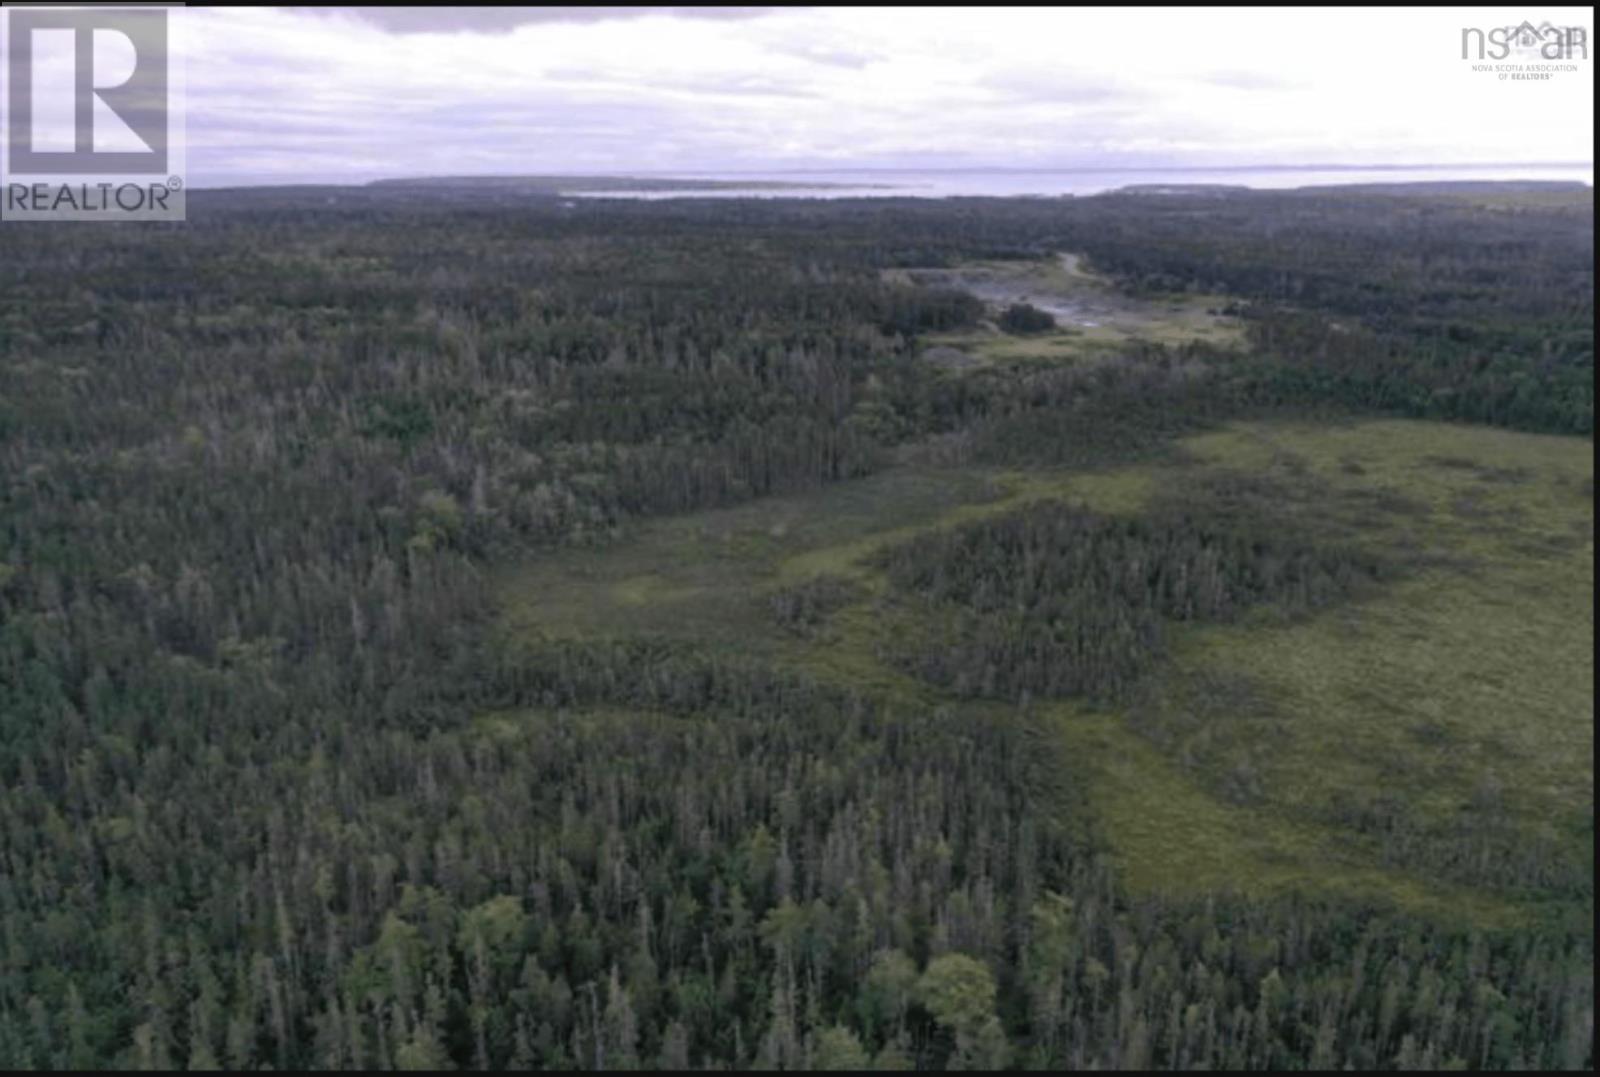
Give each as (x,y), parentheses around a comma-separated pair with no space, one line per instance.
(261,804)
(1059,601)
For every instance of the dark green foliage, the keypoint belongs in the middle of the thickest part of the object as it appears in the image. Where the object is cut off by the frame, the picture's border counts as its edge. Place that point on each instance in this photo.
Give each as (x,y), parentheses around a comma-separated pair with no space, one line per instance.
(1056,600)
(804,608)
(1025,318)
(271,795)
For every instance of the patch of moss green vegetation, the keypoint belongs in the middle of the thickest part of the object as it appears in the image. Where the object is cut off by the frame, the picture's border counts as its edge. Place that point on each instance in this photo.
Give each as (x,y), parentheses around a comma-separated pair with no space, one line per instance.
(710,575)
(1169,833)
(707,576)
(1446,723)
(1095,319)
(1426,743)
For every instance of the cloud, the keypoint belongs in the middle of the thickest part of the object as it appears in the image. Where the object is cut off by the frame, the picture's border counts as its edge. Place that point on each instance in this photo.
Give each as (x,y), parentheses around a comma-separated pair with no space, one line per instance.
(1249,80)
(297,93)
(818,52)
(1061,84)
(499,20)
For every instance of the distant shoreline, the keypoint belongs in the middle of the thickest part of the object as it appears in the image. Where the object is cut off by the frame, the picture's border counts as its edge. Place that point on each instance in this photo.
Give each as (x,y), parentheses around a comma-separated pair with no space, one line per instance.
(598,184)
(940,185)
(1133,169)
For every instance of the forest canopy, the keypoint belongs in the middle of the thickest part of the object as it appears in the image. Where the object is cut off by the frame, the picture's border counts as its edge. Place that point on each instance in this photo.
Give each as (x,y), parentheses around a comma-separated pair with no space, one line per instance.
(274,793)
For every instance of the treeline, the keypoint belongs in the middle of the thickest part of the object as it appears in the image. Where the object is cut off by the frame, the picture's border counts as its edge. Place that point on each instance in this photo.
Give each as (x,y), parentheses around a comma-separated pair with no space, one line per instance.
(1057,600)
(1426,304)
(653,860)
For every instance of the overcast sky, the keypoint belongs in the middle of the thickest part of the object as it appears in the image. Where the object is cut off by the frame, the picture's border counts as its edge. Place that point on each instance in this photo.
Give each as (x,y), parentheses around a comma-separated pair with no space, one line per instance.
(300,95)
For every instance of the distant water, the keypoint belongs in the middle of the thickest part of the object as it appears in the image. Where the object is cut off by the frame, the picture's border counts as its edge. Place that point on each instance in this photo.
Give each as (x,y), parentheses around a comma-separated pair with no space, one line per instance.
(863,183)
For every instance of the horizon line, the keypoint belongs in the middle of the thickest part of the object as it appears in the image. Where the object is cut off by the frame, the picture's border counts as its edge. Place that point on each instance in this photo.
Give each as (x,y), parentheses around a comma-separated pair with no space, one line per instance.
(903,169)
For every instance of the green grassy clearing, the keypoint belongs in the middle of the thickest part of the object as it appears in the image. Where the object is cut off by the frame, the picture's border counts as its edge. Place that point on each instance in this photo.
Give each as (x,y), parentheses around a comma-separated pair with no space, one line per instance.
(1095,318)
(1469,679)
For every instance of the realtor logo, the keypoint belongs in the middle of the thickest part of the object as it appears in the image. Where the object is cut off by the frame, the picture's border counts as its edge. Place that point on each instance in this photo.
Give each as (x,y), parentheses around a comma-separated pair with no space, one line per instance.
(92,125)
(1526,41)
